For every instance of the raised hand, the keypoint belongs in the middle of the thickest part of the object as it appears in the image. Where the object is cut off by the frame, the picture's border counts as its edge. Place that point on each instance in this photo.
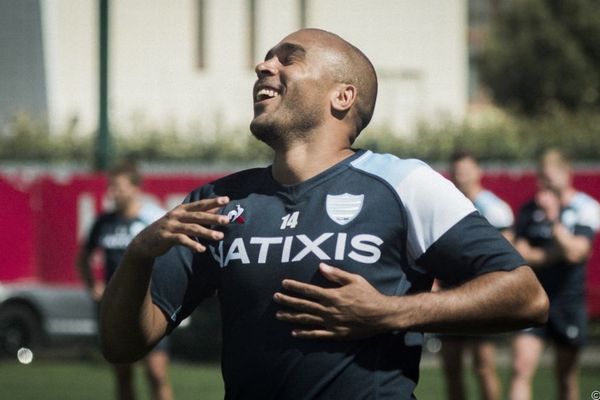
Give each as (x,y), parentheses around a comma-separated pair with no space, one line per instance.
(352,311)
(549,202)
(179,227)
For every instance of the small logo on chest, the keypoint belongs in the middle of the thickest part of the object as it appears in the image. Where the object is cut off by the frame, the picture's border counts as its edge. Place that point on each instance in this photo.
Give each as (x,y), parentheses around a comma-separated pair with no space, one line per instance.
(236,215)
(344,208)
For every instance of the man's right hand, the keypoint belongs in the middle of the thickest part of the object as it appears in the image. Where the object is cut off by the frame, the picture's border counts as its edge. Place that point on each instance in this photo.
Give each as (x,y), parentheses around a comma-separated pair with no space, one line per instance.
(181,226)
(97,290)
(549,202)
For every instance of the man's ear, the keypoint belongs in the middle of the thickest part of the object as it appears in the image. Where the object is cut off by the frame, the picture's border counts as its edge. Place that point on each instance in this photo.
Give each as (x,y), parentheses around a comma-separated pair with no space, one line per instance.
(343,97)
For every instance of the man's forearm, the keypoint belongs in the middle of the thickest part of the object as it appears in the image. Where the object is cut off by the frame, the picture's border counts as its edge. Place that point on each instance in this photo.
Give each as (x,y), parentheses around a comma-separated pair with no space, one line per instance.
(538,257)
(493,302)
(575,249)
(84,268)
(128,322)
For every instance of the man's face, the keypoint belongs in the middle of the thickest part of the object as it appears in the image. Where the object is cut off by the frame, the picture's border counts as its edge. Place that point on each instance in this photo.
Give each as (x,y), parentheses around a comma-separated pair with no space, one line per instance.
(465,173)
(291,92)
(122,191)
(554,177)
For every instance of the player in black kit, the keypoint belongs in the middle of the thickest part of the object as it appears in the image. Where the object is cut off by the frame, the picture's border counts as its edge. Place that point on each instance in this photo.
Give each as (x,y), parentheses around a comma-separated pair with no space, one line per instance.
(555,233)
(260,240)
(111,233)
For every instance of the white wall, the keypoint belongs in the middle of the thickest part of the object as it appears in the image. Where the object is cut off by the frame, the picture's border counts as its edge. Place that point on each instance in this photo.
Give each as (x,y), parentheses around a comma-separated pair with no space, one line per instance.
(418,48)
(70,35)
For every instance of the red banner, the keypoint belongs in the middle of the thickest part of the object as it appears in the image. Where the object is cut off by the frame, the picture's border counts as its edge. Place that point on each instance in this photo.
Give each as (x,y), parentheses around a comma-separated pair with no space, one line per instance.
(45,218)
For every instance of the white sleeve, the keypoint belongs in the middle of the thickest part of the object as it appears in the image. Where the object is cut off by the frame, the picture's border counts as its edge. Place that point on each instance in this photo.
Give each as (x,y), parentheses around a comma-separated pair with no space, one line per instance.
(150,212)
(433,205)
(499,215)
(589,215)
(431,202)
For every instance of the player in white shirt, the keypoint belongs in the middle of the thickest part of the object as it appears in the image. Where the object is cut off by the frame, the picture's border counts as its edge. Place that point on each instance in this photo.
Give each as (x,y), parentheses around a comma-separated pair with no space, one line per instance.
(466,174)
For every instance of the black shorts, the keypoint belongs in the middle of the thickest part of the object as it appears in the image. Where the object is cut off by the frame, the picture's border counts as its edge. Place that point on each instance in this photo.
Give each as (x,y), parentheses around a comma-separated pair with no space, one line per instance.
(566,326)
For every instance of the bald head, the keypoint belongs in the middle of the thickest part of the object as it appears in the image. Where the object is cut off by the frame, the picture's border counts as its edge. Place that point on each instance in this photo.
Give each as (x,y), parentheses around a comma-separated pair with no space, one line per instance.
(349,65)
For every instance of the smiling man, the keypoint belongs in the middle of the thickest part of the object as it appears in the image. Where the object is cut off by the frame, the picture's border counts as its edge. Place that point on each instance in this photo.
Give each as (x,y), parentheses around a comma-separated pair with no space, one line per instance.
(258,238)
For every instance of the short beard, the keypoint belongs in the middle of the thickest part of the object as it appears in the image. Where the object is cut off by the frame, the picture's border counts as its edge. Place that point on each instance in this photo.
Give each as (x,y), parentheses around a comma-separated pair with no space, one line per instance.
(266,133)
(292,128)
(278,137)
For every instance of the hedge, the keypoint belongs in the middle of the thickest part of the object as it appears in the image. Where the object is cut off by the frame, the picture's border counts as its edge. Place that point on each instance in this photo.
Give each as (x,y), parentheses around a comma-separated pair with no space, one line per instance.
(501,138)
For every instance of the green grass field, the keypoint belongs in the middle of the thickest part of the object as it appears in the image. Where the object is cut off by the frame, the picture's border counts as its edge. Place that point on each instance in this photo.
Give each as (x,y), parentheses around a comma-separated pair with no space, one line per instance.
(72,380)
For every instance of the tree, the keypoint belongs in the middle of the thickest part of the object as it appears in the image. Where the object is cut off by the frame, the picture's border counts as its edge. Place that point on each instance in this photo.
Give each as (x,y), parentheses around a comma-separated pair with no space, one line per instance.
(544,53)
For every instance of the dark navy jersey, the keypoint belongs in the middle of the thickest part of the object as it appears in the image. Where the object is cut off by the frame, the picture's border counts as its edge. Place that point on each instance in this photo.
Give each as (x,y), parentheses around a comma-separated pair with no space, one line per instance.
(396,222)
(112,232)
(564,282)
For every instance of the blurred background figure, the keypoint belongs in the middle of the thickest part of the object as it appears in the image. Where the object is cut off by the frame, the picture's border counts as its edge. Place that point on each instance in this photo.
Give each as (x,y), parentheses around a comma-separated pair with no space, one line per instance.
(466,175)
(555,233)
(111,233)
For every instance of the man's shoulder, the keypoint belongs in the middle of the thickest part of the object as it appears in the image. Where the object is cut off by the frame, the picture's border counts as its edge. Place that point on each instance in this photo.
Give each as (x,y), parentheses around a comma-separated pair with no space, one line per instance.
(490,196)
(530,206)
(583,200)
(587,210)
(388,166)
(106,217)
(242,175)
(490,199)
(228,185)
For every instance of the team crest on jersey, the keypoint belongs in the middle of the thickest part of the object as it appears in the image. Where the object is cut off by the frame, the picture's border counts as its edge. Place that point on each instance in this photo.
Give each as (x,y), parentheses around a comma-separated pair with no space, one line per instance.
(344,208)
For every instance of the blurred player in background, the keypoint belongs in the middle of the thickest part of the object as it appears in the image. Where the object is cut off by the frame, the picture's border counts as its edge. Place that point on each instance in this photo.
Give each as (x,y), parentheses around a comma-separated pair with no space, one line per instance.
(555,233)
(111,233)
(466,175)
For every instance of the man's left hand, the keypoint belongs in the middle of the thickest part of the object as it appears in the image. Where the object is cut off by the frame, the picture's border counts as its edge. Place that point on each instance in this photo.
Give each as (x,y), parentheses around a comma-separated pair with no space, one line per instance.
(354,310)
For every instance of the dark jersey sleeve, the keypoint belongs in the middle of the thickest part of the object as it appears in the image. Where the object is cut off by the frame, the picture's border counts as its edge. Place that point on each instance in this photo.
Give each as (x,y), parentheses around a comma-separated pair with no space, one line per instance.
(93,238)
(523,220)
(181,279)
(470,248)
(584,230)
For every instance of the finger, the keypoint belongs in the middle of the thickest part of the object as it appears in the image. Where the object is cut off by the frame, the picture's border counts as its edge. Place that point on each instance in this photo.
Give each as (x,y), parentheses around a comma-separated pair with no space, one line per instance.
(197,231)
(298,304)
(188,242)
(207,204)
(300,318)
(337,275)
(305,289)
(204,218)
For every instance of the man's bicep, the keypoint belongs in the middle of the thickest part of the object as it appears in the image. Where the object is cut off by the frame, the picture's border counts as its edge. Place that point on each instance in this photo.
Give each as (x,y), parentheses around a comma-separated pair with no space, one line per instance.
(470,248)
(160,323)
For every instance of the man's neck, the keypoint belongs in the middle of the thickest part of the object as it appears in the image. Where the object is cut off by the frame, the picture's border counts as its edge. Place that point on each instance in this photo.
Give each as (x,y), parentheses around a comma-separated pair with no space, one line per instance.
(566,195)
(302,161)
(131,210)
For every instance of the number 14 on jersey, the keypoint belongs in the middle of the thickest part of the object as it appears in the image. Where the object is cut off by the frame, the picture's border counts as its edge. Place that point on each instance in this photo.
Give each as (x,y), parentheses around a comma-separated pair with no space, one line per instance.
(290,220)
